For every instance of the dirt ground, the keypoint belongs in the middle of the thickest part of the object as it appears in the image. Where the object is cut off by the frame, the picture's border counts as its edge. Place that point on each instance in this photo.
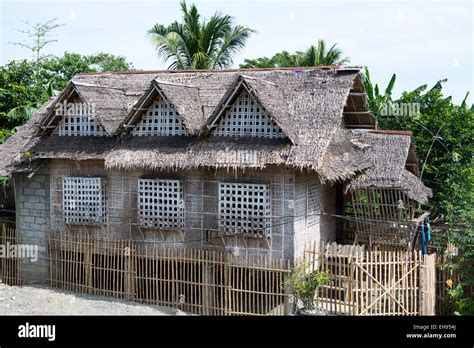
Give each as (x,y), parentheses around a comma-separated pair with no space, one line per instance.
(36,300)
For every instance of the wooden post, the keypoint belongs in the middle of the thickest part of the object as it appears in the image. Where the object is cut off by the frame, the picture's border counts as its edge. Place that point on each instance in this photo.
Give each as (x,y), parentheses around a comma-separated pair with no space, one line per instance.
(427,285)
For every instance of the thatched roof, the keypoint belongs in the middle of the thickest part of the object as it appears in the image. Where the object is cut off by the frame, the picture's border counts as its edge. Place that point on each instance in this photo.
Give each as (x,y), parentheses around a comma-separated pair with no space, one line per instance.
(12,150)
(307,104)
(389,151)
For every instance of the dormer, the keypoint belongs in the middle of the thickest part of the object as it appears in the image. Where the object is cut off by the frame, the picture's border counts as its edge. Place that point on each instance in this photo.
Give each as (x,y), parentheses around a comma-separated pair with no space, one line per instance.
(78,118)
(245,112)
(166,109)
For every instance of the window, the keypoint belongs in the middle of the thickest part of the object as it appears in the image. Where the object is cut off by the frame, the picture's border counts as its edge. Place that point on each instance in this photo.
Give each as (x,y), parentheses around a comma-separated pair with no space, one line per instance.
(244,209)
(160,203)
(247,118)
(83,200)
(160,119)
(81,121)
(313,205)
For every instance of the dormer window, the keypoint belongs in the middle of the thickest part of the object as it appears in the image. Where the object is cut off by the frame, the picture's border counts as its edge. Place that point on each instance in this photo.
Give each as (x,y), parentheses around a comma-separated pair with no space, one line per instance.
(79,120)
(160,119)
(247,118)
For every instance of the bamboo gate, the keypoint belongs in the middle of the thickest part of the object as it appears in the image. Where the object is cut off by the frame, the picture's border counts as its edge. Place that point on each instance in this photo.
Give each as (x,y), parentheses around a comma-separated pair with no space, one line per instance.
(363,282)
(10,267)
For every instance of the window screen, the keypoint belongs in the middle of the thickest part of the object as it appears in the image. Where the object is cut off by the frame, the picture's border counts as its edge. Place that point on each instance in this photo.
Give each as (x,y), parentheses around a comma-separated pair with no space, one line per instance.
(313,206)
(244,209)
(81,121)
(84,200)
(247,118)
(160,203)
(160,119)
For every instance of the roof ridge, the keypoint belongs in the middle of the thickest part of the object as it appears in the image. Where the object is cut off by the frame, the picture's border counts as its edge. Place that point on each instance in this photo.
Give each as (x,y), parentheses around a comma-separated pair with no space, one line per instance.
(137,72)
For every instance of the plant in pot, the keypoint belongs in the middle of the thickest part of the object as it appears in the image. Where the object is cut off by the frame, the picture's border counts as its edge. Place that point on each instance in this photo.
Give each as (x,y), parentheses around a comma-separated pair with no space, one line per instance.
(304,285)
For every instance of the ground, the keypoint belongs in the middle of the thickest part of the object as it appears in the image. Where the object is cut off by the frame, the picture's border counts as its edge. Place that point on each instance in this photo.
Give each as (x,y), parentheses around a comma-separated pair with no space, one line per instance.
(36,300)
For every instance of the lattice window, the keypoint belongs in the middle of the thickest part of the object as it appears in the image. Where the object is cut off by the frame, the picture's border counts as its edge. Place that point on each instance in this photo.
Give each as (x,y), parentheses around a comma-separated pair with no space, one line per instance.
(244,209)
(313,203)
(160,119)
(160,203)
(84,200)
(247,118)
(81,121)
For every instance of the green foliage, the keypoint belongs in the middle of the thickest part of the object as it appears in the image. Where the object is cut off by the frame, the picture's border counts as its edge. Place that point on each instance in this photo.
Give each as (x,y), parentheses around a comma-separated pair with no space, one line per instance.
(5,134)
(196,44)
(3,183)
(315,55)
(22,91)
(442,132)
(304,285)
(62,69)
(375,99)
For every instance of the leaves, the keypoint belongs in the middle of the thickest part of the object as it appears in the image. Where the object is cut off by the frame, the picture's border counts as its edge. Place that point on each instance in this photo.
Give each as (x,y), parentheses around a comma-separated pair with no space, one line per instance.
(199,44)
(315,55)
(442,132)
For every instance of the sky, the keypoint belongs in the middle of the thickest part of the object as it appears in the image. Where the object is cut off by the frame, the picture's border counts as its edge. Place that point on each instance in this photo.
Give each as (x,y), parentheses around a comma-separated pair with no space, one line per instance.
(421,41)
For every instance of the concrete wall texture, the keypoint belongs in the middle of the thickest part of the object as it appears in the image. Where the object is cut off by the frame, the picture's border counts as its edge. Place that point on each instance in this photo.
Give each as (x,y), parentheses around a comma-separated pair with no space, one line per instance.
(39,210)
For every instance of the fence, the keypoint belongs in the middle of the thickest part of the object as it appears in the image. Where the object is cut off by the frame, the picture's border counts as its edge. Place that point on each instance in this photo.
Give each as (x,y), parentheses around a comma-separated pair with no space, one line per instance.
(375,282)
(10,265)
(197,281)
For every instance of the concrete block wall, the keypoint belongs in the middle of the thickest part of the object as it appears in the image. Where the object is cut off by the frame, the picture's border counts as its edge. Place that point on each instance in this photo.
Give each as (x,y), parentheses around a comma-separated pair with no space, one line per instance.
(33,221)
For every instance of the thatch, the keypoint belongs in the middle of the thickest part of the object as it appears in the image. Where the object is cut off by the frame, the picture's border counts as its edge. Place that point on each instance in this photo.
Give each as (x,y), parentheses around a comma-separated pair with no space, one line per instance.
(184,98)
(157,153)
(307,104)
(13,149)
(343,159)
(388,152)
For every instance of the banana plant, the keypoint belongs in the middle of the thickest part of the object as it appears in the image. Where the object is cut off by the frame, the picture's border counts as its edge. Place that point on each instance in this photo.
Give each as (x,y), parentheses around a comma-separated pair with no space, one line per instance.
(23,113)
(375,99)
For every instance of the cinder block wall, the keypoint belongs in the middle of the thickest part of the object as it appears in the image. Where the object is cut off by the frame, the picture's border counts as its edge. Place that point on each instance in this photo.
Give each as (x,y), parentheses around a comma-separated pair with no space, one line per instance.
(32,219)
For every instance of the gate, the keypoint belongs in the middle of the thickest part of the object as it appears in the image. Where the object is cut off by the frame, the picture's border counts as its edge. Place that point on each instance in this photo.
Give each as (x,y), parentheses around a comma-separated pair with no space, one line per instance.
(375,282)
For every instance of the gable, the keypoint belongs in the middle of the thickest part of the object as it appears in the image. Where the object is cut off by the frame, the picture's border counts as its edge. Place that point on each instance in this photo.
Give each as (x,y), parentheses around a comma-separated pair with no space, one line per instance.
(160,119)
(247,117)
(78,118)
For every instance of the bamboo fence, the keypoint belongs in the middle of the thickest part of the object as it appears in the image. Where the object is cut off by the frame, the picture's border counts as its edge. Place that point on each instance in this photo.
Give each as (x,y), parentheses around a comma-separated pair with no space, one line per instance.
(10,267)
(205,282)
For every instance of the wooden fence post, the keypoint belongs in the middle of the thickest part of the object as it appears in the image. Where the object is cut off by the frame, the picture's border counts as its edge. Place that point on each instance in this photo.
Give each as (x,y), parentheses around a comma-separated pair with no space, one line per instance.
(427,285)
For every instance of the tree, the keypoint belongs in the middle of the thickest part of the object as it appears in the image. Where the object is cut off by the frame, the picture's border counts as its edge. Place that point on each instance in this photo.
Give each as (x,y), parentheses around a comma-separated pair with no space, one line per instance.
(196,44)
(22,91)
(442,132)
(62,69)
(375,99)
(39,35)
(315,55)
(319,55)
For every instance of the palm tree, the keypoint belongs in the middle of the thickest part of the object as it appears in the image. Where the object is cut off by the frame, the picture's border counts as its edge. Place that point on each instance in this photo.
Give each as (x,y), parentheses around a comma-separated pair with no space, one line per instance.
(319,56)
(196,44)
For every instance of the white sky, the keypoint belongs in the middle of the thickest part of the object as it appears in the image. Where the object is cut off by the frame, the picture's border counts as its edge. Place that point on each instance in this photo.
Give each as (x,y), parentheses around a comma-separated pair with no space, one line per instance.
(421,41)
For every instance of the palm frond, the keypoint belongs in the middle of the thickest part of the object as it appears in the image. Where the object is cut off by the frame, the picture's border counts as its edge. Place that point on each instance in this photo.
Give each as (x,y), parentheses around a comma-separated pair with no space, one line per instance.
(233,41)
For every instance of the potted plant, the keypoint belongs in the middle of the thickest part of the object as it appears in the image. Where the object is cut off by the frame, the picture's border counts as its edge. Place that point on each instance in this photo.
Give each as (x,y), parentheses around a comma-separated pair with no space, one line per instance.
(304,286)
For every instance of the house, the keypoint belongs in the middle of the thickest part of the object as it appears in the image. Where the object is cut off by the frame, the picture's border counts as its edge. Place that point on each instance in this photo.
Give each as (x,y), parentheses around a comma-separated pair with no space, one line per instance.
(254,160)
